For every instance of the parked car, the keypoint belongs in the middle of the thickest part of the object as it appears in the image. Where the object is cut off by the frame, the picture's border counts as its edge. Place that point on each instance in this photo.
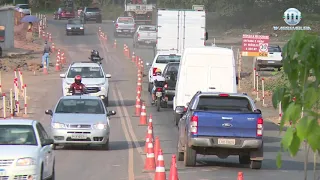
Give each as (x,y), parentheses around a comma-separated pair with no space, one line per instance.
(74,26)
(80,120)
(221,124)
(64,13)
(274,58)
(23,8)
(170,72)
(26,151)
(91,14)
(145,35)
(124,26)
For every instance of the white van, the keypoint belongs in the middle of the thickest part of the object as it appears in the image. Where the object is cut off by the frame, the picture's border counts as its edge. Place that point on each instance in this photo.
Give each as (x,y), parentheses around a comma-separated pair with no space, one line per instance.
(207,69)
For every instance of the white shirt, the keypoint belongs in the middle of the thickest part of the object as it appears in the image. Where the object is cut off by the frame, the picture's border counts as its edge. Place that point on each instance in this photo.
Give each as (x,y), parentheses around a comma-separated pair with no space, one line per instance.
(158,78)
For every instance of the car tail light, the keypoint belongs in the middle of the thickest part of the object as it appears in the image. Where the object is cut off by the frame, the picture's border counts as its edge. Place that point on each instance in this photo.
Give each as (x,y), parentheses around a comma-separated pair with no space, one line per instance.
(117,25)
(159,89)
(138,35)
(194,125)
(154,71)
(259,127)
(166,86)
(224,95)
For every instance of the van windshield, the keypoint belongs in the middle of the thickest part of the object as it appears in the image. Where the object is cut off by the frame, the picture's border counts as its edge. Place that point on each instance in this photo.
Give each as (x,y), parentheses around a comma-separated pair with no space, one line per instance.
(216,103)
(165,59)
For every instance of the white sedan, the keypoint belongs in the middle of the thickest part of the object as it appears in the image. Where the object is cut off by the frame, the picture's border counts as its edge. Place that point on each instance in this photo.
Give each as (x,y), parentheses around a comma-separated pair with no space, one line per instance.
(26,151)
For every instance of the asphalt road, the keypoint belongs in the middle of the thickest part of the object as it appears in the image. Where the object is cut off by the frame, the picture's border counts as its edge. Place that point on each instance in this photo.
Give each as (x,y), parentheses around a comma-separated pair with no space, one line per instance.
(124,160)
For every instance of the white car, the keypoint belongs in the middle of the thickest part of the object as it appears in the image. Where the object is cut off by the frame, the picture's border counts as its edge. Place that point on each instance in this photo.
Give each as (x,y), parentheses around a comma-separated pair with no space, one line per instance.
(25,151)
(93,77)
(159,62)
(23,8)
(274,59)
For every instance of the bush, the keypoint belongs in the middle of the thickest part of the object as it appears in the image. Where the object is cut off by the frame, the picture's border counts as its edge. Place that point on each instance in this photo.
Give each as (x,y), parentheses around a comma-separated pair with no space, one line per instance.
(111,12)
(279,79)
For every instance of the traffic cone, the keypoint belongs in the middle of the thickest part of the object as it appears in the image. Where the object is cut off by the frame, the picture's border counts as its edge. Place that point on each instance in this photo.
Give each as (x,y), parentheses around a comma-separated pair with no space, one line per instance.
(143,115)
(64,61)
(240,176)
(136,60)
(149,138)
(150,121)
(115,44)
(149,164)
(50,38)
(173,175)
(128,53)
(160,173)
(99,29)
(139,94)
(156,146)
(124,49)
(139,86)
(58,64)
(133,57)
(45,70)
(53,47)
(138,107)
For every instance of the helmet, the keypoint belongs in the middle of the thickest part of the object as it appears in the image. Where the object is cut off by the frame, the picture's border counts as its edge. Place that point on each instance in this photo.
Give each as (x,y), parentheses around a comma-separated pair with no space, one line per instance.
(77,79)
(158,70)
(96,53)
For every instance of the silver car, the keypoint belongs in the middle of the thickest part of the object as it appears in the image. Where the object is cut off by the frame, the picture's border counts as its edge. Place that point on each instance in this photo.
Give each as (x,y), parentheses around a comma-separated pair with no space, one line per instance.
(124,26)
(145,35)
(80,120)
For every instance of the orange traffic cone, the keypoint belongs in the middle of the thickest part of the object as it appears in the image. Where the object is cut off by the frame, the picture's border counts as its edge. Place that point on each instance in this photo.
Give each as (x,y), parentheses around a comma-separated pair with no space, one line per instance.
(115,44)
(160,168)
(149,138)
(58,64)
(63,58)
(124,49)
(150,121)
(136,60)
(138,107)
(53,47)
(143,115)
(133,57)
(45,70)
(149,164)
(240,176)
(156,146)
(173,175)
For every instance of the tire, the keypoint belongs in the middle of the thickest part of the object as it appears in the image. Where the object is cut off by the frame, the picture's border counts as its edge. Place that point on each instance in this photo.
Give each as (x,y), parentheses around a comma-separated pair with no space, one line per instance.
(255,164)
(176,118)
(82,33)
(53,175)
(41,172)
(105,146)
(158,104)
(190,157)
(244,159)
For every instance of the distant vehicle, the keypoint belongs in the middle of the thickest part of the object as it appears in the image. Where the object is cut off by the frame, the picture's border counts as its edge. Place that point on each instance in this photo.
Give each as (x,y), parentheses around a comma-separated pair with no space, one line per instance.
(91,14)
(208,69)
(93,77)
(23,8)
(180,29)
(170,72)
(64,13)
(142,13)
(124,26)
(26,151)
(159,62)
(274,59)
(145,35)
(221,124)
(80,120)
(74,26)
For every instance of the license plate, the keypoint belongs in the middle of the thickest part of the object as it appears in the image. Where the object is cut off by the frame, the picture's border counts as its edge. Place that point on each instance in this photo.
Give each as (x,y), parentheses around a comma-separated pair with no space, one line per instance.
(78,136)
(148,42)
(2,172)
(227,141)
(158,94)
(270,62)
(125,30)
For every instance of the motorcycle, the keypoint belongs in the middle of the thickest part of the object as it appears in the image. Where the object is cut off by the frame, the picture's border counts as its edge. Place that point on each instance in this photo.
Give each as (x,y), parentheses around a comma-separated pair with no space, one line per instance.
(160,100)
(96,59)
(77,92)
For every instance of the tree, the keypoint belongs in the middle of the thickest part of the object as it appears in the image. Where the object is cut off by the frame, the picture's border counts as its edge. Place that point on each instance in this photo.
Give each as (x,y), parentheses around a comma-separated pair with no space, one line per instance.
(300,98)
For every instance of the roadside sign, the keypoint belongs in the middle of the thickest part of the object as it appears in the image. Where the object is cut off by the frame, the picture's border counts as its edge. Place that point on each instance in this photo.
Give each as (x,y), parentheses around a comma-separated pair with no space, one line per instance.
(255,45)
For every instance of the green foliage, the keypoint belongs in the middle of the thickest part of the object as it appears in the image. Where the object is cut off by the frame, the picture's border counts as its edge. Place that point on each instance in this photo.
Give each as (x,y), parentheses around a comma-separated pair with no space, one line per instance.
(301,56)
(278,79)
(111,12)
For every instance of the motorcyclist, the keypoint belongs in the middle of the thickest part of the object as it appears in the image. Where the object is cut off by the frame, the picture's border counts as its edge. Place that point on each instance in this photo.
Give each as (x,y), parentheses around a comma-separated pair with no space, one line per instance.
(158,81)
(95,54)
(77,87)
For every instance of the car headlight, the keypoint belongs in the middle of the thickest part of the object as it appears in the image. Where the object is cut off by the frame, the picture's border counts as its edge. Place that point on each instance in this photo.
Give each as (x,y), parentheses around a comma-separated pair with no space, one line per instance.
(58,125)
(26,161)
(68,27)
(100,126)
(81,27)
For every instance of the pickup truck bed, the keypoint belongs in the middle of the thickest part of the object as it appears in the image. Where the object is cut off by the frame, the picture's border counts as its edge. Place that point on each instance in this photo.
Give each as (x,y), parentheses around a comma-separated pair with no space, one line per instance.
(222,125)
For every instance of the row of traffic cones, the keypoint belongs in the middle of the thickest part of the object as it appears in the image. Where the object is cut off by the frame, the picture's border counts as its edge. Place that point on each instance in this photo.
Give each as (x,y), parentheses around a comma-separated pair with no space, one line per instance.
(102,35)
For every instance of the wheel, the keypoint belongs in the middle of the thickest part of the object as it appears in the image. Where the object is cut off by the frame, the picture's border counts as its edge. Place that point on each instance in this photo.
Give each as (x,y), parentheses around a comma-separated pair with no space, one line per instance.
(106,145)
(82,33)
(190,156)
(176,118)
(255,164)
(244,159)
(53,175)
(158,103)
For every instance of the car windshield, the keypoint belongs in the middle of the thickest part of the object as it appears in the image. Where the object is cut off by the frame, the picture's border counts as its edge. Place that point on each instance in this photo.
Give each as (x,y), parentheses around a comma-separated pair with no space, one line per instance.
(25,6)
(147,28)
(93,10)
(125,20)
(85,72)
(82,106)
(17,135)
(274,49)
(217,103)
(74,21)
(165,59)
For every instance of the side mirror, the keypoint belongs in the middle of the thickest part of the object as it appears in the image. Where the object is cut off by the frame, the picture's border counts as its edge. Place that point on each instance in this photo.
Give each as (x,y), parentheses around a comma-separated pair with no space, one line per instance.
(47,142)
(148,64)
(207,36)
(180,110)
(108,75)
(49,112)
(62,75)
(111,113)
(258,111)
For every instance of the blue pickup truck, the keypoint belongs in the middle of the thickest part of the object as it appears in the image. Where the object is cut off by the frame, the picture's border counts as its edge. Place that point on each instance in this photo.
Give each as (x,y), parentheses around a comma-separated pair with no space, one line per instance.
(221,124)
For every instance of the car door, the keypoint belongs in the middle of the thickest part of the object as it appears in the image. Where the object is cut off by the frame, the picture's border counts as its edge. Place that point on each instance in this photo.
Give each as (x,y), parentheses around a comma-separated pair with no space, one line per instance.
(45,151)
(50,152)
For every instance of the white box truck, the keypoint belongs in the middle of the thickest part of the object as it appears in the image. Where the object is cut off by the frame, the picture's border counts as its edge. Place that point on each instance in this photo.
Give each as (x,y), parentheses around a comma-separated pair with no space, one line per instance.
(180,29)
